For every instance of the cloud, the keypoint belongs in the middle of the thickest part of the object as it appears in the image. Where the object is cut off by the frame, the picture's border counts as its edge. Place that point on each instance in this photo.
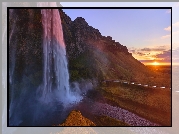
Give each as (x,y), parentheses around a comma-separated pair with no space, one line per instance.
(168,28)
(161,48)
(140,53)
(176,24)
(166,36)
(149,61)
(132,51)
(161,53)
(168,11)
(158,53)
(147,50)
(165,56)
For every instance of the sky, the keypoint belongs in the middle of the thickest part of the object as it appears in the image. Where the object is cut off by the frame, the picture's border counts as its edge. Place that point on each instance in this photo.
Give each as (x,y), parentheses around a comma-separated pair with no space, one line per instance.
(145,32)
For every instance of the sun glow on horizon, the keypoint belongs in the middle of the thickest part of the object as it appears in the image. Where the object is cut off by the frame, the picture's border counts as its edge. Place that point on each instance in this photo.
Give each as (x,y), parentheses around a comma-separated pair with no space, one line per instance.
(155,63)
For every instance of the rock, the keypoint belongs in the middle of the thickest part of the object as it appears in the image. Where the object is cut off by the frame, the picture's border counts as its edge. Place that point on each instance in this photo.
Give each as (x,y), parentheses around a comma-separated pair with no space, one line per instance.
(25,44)
(75,118)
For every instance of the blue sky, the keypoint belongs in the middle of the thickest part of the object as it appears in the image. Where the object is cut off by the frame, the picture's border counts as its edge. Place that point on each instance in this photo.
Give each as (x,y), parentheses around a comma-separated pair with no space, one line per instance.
(135,28)
(130,27)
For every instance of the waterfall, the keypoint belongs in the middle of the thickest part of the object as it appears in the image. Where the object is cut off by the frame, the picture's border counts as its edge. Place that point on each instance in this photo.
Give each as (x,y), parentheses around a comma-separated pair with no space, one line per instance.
(55,71)
(55,62)
(38,67)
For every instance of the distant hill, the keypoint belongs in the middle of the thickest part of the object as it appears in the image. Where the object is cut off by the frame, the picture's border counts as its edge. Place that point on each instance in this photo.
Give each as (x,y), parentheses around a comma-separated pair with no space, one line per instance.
(92,55)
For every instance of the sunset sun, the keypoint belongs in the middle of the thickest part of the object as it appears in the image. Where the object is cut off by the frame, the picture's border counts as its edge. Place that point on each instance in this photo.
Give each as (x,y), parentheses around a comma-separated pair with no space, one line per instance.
(155,63)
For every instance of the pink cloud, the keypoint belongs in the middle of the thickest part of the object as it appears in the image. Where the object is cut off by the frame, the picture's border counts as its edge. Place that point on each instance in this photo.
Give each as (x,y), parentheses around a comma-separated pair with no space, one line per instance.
(168,28)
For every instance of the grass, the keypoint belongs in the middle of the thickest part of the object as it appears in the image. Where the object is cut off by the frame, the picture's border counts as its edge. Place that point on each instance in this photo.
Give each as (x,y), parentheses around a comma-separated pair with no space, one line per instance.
(152,104)
(108,121)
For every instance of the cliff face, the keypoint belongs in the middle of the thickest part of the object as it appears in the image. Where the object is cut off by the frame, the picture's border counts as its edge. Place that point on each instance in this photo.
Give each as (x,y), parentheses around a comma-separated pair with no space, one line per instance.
(92,55)
(25,49)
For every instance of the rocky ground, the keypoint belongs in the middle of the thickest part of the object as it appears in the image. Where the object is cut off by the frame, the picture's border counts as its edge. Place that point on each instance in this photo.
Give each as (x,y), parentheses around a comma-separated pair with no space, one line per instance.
(75,118)
(116,106)
(151,104)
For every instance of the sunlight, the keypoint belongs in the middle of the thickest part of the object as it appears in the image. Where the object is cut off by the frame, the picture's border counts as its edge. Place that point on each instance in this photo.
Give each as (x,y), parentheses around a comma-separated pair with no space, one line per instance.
(155,63)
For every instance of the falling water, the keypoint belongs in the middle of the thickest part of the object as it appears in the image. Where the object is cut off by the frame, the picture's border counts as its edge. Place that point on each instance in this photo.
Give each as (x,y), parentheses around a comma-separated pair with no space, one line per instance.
(28,101)
(54,52)
(55,75)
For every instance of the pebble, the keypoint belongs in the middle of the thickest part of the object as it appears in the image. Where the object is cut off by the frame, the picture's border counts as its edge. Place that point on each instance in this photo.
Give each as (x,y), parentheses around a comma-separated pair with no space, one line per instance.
(121,114)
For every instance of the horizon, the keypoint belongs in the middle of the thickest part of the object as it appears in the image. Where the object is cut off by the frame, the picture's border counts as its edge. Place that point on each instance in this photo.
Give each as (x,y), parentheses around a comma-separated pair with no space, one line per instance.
(144,45)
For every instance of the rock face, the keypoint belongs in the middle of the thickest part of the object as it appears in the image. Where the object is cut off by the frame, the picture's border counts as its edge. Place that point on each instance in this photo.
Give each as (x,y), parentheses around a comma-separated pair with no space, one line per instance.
(92,55)
(25,31)
(25,62)
(25,48)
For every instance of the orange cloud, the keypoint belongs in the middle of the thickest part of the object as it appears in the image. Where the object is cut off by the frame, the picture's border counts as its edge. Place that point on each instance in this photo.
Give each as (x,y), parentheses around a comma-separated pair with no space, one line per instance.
(162,53)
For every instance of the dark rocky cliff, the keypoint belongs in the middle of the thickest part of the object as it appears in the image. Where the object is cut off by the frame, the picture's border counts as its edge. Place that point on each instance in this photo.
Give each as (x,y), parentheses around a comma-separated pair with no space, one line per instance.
(25,46)
(92,55)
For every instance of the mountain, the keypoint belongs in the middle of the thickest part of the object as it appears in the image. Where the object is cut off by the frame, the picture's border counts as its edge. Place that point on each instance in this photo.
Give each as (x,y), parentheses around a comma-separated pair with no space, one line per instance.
(92,55)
